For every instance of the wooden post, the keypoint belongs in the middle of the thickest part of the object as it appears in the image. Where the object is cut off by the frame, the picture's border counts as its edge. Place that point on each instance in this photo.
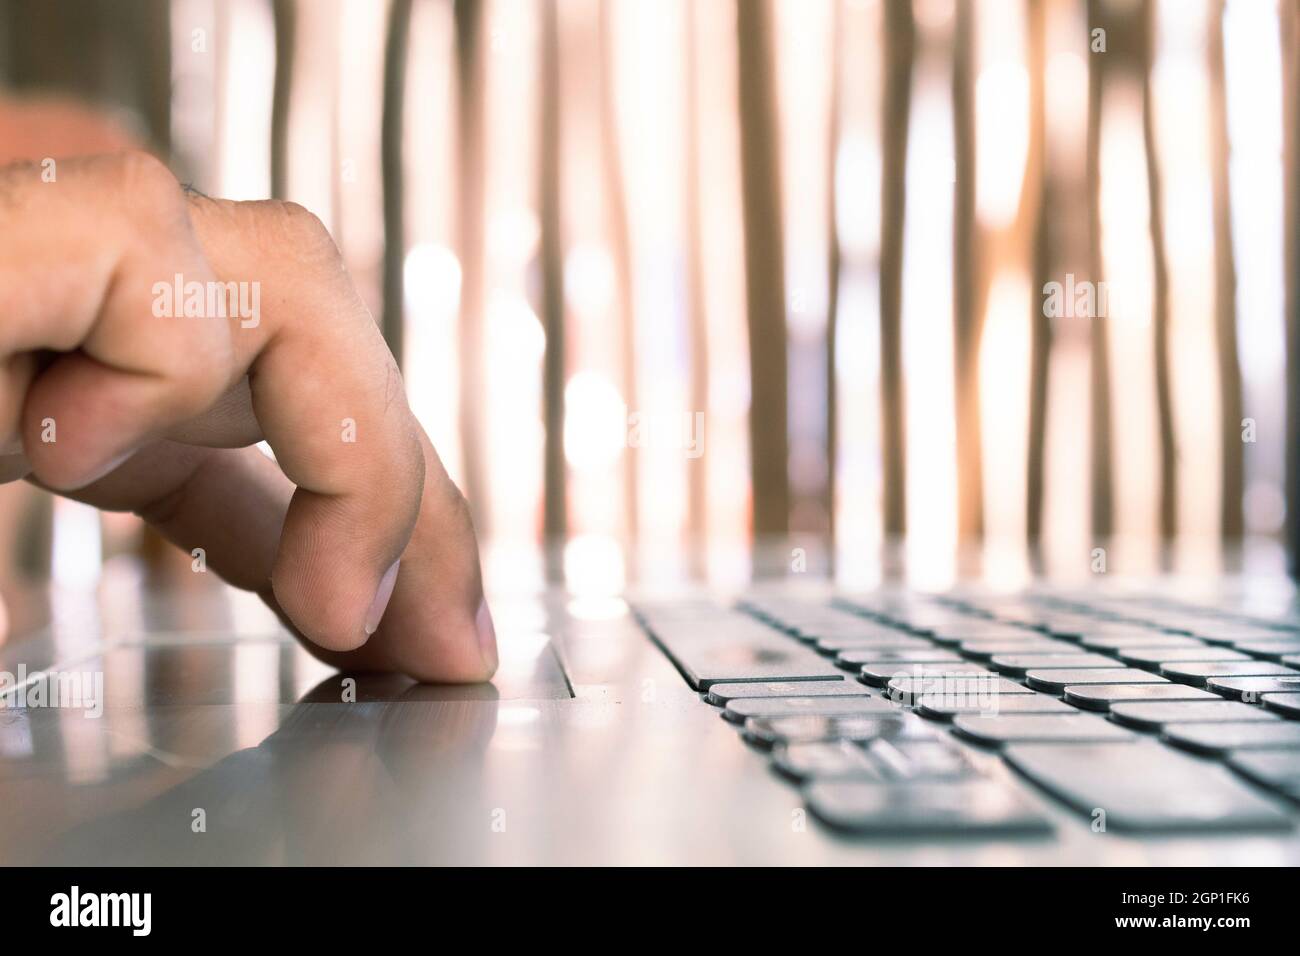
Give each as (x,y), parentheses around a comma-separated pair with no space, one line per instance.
(764,271)
(391,139)
(967,314)
(1290,30)
(1044,262)
(471,188)
(1102,472)
(554,474)
(620,241)
(285,16)
(1225,292)
(900,50)
(696,318)
(1160,284)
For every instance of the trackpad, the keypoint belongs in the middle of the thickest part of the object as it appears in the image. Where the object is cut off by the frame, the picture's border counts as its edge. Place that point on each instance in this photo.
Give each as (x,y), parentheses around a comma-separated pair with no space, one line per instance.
(529,669)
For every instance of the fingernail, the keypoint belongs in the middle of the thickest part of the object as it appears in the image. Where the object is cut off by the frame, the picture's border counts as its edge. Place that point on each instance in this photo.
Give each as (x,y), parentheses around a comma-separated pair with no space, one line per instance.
(487,638)
(380,603)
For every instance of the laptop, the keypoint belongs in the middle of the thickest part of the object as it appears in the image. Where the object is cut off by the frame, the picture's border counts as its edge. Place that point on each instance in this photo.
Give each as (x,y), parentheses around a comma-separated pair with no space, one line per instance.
(788,723)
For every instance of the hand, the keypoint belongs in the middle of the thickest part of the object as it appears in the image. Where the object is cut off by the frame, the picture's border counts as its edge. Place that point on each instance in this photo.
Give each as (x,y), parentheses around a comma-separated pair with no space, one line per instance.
(110,394)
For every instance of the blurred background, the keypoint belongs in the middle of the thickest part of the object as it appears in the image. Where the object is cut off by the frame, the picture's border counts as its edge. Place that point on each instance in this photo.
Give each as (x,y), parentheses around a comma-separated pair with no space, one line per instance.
(699,289)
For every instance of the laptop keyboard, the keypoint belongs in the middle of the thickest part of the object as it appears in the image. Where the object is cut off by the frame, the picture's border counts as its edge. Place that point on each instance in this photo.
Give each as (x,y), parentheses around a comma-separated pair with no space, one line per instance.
(1142,715)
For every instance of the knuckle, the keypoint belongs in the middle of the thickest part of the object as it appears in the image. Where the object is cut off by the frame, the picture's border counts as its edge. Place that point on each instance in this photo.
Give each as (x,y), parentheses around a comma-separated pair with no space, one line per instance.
(288,224)
(144,178)
(150,198)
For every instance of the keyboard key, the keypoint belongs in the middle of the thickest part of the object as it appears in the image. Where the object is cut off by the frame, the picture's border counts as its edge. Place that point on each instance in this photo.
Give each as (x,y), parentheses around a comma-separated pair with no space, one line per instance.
(1015,665)
(1175,624)
(1144,786)
(833,645)
(1102,696)
(1108,642)
(1288,705)
(1276,769)
(921,760)
(987,650)
(768,731)
(1153,657)
(979,689)
(879,675)
(825,759)
(1046,728)
(855,658)
(921,809)
(790,626)
(722,694)
(797,617)
(661,614)
(1055,682)
(855,629)
(1229,633)
(706,656)
(740,710)
(1079,630)
(939,707)
(1197,674)
(1268,650)
(1251,688)
(977,630)
(1152,715)
(803,619)
(1013,611)
(1029,619)
(1220,738)
(930,622)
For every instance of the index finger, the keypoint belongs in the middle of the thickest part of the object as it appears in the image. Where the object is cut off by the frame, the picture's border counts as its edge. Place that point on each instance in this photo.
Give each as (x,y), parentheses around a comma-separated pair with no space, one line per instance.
(330,401)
